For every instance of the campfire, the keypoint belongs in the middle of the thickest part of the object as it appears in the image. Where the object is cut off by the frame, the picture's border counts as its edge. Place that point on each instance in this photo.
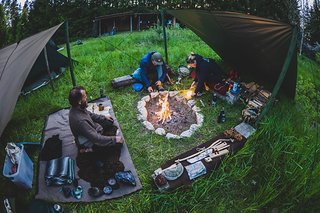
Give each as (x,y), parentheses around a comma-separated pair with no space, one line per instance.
(170,114)
(165,113)
(187,94)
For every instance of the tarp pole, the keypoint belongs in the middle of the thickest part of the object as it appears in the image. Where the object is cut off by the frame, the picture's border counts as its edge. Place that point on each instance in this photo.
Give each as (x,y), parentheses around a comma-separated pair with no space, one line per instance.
(164,36)
(131,24)
(282,75)
(69,54)
(48,67)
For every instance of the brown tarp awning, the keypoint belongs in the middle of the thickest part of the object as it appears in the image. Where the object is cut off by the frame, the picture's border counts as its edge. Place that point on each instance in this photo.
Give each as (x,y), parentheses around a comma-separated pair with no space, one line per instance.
(16,62)
(256,47)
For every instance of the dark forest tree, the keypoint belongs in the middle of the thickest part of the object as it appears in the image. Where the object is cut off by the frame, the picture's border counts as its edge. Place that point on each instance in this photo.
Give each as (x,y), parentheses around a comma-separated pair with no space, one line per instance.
(41,16)
(3,25)
(22,25)
(47,13)
(14,20)
(313,23)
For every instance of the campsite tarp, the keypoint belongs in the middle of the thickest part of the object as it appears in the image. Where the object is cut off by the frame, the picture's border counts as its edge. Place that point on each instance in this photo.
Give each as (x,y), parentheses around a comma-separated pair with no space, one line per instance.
(38,75)
(254,46)
(16,62)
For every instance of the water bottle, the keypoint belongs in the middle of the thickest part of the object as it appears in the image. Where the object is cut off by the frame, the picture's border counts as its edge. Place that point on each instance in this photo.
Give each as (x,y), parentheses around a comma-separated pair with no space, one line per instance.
(222,116)
(214,100)
(235,87)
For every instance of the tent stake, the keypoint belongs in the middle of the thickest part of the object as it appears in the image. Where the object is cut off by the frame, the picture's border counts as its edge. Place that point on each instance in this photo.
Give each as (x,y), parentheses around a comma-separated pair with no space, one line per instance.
(69,54)
(48,67)
(164,36)
(282,75)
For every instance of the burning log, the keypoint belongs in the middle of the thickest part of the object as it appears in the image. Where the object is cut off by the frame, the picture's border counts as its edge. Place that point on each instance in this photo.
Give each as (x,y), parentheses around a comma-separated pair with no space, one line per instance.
(164,114)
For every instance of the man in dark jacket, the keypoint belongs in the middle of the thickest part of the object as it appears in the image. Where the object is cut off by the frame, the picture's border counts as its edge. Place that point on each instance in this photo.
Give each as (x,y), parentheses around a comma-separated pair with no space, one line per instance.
(86,126)
(152,70)
(207,70)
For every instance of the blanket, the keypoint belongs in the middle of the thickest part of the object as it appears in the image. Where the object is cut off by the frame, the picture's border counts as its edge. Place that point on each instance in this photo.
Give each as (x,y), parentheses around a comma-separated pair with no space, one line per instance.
(201,167)
(58,123)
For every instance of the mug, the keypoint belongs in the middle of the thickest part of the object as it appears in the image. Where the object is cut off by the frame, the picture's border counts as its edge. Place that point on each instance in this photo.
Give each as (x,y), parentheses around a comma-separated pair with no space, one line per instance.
(101,107)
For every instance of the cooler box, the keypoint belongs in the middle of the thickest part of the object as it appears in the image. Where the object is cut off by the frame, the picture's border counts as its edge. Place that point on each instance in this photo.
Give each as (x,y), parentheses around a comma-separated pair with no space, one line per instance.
(24,175)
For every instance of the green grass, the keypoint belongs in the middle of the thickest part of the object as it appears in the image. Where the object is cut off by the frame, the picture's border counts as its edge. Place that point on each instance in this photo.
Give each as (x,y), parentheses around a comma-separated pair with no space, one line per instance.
(278,169)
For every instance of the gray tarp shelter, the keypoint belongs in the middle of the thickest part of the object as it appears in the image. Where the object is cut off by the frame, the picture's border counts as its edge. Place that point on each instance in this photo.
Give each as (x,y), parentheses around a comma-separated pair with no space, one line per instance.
(38,75)
(16,62)
(256,47)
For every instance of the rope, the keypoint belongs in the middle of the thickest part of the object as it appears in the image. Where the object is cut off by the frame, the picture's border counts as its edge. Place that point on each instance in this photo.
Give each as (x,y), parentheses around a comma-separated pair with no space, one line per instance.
(116,47)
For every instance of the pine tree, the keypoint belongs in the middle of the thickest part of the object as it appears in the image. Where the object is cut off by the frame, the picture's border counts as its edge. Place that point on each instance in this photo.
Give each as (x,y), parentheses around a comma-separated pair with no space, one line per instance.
(3,26)
(313,24)
(22,25)
(14,20)
(282,10)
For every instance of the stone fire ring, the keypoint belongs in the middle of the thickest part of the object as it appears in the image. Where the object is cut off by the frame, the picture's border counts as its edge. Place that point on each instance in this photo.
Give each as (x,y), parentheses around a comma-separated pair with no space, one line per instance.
(143,114)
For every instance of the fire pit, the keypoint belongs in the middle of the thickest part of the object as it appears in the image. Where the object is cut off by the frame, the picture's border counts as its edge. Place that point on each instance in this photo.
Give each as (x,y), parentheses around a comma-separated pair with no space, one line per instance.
(169,114)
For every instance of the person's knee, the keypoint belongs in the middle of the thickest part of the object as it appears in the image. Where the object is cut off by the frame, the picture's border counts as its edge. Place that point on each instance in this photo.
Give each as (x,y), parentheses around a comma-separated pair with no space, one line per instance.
(137,74)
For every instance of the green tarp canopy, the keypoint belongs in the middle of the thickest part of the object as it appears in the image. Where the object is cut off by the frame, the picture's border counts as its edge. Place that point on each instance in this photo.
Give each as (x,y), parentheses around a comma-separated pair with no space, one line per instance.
(255,47)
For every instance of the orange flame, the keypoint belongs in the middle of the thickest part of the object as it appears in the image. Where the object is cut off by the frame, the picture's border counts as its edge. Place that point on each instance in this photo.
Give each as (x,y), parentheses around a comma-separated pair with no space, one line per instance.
(187,94)
(164,113)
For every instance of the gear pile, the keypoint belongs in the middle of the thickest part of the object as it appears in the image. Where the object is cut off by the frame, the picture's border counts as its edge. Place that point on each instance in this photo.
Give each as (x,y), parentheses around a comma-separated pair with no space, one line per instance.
(256,99)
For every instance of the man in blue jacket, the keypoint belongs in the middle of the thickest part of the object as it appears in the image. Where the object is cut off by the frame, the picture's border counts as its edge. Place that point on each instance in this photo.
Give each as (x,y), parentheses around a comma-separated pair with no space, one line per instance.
(208,72)
(152,70)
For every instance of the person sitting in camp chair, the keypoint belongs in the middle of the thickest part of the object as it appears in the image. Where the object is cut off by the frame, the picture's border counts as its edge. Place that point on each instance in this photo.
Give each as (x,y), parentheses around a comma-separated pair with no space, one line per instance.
(88,128)
(152,70)
(207,72)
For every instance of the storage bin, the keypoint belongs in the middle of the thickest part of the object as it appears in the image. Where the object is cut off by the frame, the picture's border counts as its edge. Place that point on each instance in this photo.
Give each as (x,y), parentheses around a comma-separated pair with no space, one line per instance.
(24,175)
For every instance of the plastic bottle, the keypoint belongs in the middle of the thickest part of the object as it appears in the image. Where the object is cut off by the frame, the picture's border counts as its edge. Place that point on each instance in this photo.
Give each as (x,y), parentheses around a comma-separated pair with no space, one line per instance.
(222,116)
(214,100)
